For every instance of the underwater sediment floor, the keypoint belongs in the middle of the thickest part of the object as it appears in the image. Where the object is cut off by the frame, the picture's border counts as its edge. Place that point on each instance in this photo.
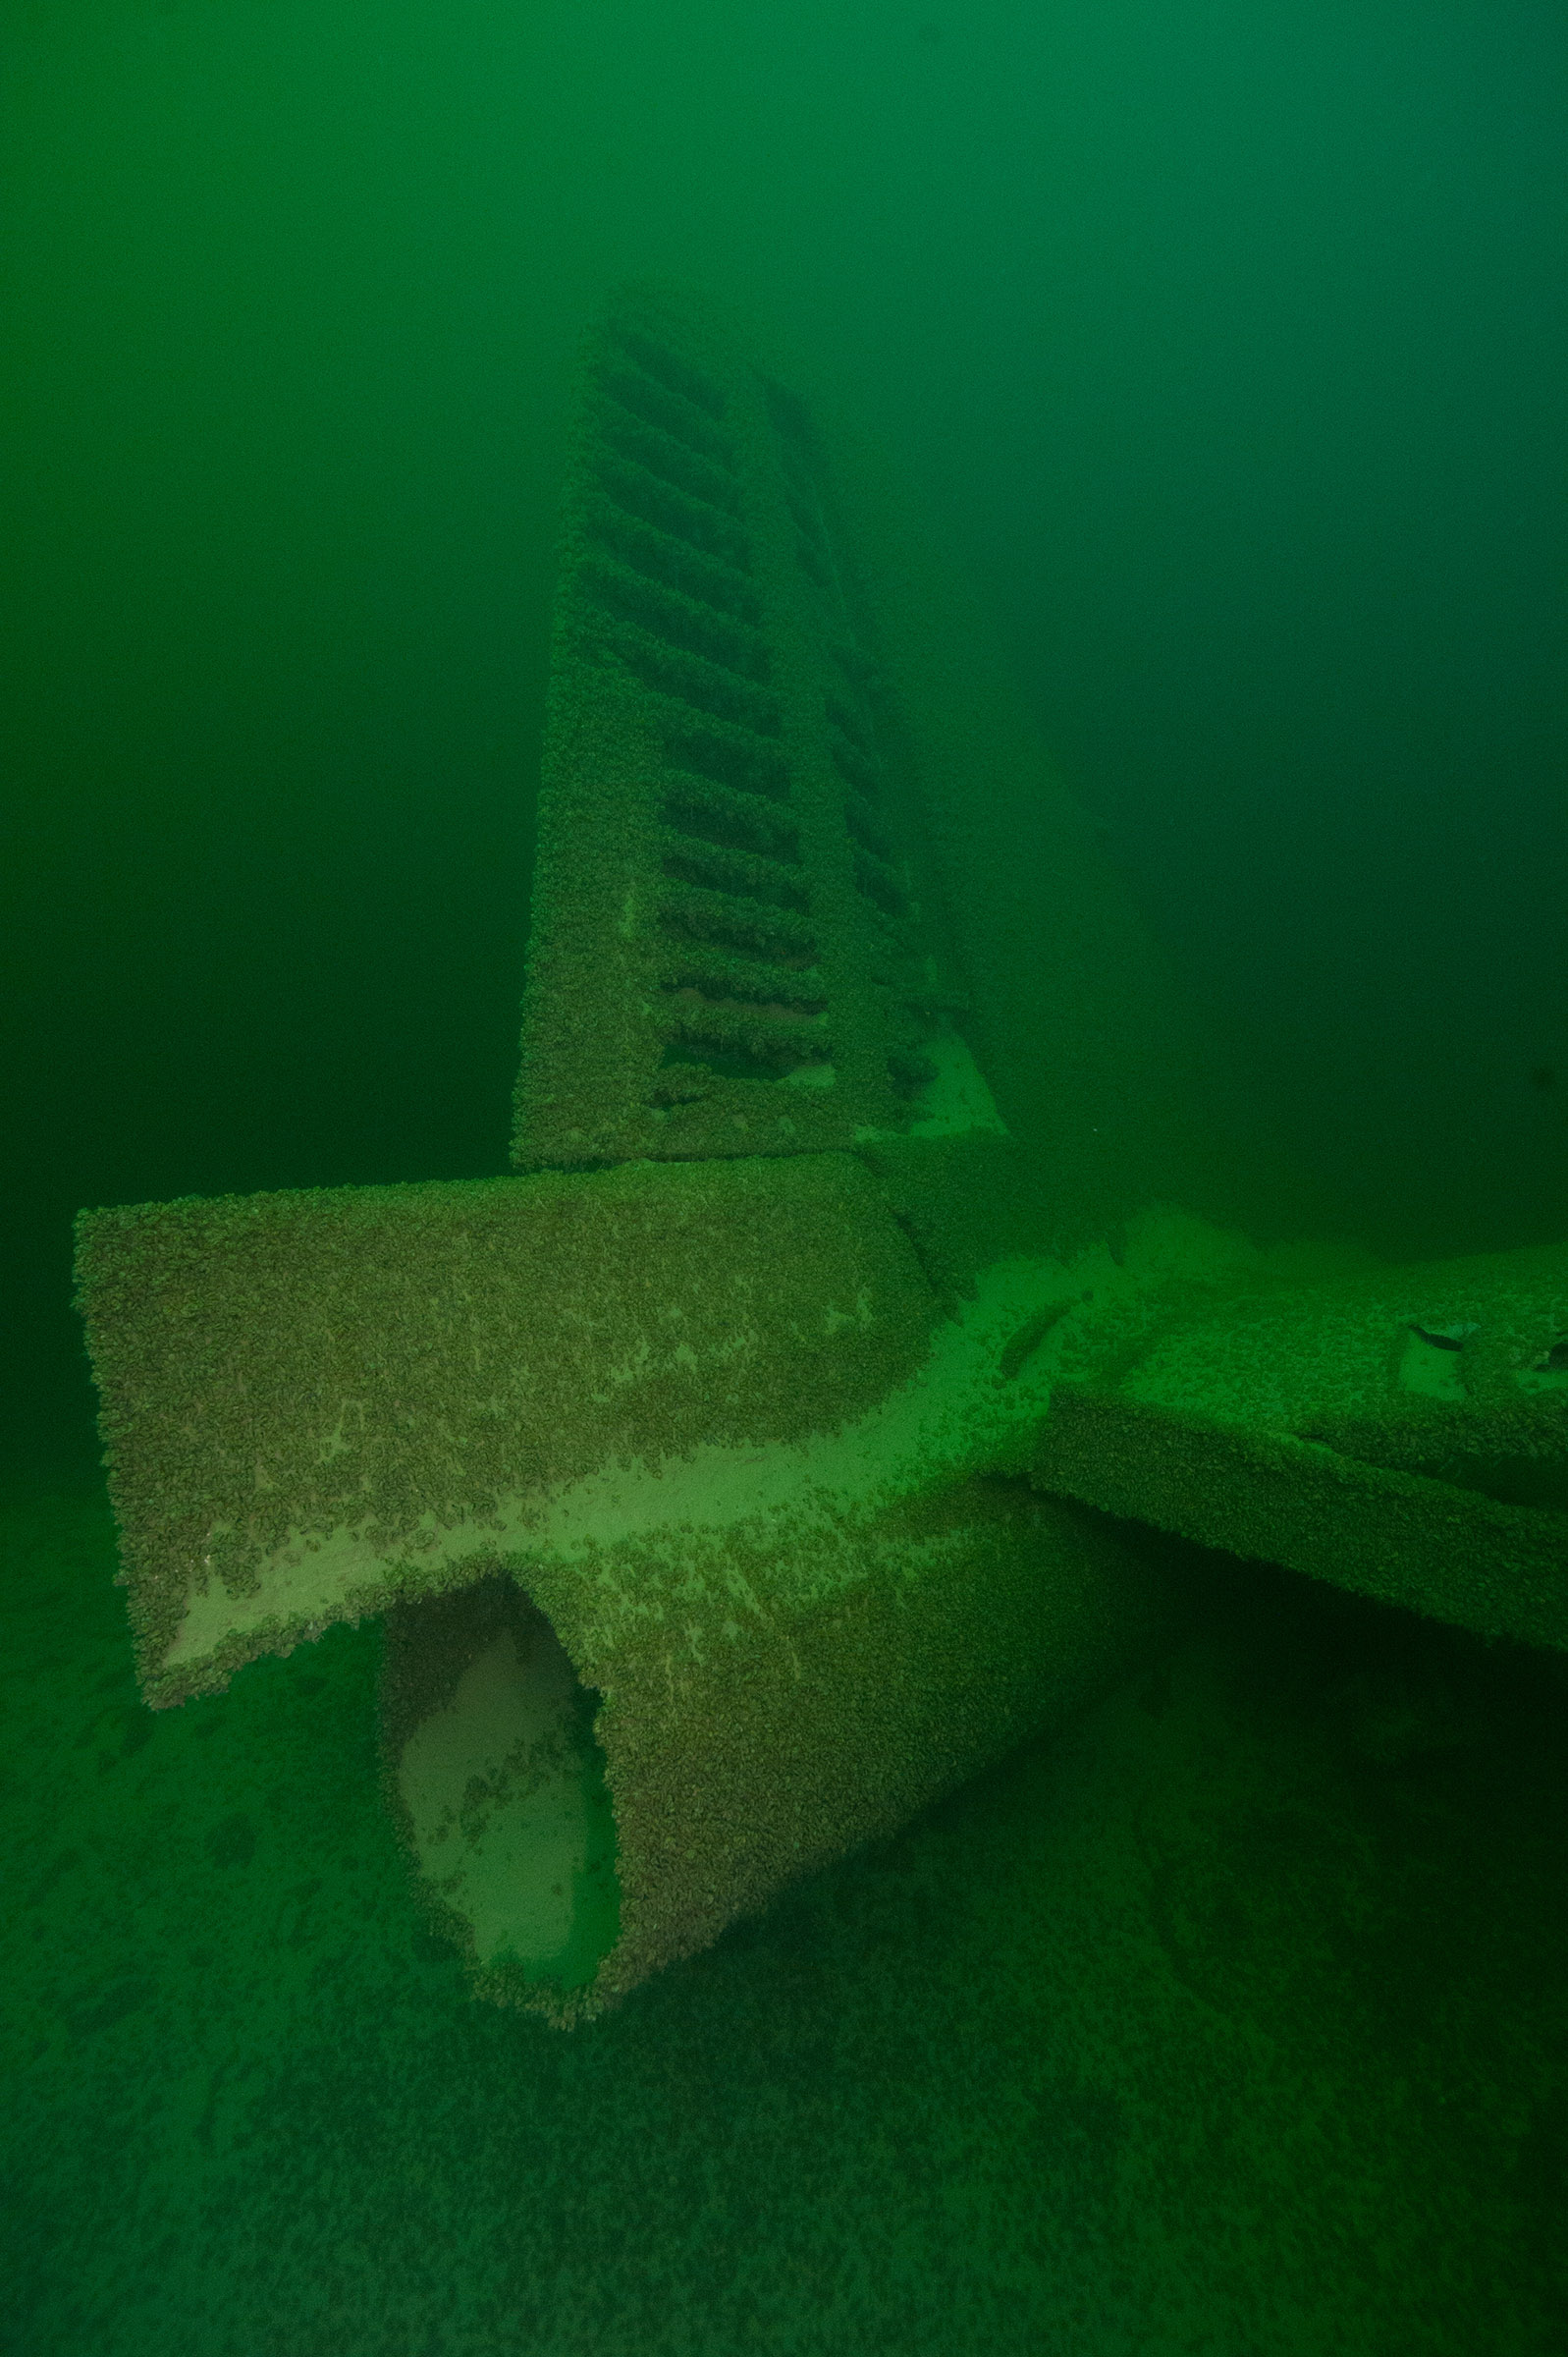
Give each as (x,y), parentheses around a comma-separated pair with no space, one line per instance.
(1232,2021)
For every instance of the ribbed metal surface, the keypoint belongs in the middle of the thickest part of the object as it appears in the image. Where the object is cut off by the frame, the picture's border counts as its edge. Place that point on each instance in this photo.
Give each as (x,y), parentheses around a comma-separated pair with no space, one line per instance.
(728,953)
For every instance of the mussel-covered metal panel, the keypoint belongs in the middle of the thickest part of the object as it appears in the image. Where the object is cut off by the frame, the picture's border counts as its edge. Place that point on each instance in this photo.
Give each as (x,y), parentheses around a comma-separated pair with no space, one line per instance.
(728,954)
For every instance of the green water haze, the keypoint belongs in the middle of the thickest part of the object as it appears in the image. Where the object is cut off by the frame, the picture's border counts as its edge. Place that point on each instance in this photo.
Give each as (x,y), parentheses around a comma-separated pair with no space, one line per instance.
(1222,350)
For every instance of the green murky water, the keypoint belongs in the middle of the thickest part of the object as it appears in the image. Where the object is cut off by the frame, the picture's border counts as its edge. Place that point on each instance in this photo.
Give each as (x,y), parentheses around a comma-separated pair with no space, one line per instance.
(1224,349)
